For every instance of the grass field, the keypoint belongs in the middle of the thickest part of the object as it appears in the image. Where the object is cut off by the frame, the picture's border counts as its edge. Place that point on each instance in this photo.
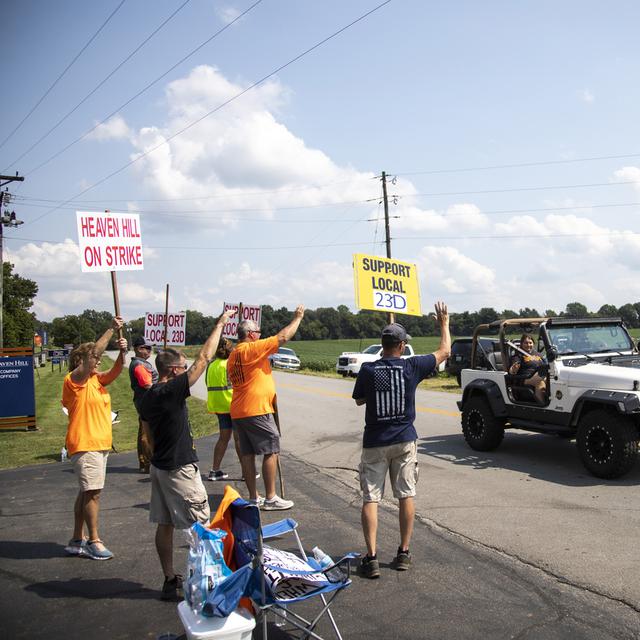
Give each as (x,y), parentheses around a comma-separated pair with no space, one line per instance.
(31,447)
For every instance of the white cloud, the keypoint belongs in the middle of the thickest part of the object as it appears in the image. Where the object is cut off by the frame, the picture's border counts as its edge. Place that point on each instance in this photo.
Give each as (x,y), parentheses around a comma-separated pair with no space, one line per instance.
(586,96)
(450,271)
(227,13)
(242,157)
(628,174)
(113,129)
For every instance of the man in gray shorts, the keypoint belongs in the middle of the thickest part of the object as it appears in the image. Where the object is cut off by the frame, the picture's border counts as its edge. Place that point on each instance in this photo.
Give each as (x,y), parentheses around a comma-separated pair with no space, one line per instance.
(178,496)
(388,388)
(253,406)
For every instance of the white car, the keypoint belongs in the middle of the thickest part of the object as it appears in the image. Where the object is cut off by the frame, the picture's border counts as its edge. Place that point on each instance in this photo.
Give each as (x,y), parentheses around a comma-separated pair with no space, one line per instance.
(349,362)
(285,359)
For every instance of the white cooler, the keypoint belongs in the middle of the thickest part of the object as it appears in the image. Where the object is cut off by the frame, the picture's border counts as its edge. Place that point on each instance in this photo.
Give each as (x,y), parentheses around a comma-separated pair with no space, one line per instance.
(236,626)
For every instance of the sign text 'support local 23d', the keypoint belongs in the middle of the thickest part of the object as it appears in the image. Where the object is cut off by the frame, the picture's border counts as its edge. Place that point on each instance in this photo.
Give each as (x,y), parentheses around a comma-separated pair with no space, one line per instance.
(384,284)
(249,312)
(154,326)
(109,241)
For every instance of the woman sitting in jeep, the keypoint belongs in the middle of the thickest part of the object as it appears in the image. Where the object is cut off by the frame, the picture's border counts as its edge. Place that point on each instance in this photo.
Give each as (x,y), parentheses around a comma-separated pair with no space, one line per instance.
(528,366)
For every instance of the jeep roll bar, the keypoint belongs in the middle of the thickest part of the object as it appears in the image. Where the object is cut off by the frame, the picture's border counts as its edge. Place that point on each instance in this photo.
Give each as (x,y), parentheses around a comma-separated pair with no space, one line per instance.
(499,327)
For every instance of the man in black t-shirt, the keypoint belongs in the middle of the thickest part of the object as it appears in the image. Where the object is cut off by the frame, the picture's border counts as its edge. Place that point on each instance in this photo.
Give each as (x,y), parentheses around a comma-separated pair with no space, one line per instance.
(388,388)
(178,496)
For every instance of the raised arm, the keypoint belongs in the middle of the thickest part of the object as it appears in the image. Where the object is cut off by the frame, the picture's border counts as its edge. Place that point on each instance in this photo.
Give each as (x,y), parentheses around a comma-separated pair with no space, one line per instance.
(208,349)
(284,335)
(109,376)
(82,372)
(442,318)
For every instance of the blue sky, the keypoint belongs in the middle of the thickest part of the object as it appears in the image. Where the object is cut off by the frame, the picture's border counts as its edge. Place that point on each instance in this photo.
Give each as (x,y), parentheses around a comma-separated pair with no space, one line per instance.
(265,200)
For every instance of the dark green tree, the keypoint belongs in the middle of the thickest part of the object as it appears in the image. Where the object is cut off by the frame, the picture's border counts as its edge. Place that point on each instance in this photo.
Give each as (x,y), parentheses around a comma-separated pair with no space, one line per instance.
(629,315)
(18,295)
(608,311)
(576,310)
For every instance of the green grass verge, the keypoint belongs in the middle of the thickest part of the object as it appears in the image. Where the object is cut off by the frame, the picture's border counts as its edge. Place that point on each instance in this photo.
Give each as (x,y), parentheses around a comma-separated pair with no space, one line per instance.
(20,448)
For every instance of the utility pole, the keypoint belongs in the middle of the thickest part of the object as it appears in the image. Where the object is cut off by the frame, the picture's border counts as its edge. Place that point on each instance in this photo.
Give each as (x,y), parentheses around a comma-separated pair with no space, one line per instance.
(6,220)
(387,233)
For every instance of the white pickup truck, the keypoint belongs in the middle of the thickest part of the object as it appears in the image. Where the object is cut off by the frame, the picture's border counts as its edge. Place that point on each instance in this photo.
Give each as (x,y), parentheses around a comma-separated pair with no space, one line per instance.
(349,362)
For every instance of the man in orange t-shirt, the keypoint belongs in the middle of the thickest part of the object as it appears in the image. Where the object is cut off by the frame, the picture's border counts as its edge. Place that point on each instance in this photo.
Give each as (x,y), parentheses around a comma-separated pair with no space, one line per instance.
(252,405)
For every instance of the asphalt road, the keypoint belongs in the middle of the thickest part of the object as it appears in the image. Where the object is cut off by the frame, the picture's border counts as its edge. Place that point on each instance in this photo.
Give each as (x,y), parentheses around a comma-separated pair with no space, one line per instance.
(455,590)
(531,499)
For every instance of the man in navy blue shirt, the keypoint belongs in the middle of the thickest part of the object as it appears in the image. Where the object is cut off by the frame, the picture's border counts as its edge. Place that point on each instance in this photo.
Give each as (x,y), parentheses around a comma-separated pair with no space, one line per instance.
(388,388)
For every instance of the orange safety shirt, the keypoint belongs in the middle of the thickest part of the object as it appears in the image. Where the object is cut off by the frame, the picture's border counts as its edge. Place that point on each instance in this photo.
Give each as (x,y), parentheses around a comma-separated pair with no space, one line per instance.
(89,407)
(249,371)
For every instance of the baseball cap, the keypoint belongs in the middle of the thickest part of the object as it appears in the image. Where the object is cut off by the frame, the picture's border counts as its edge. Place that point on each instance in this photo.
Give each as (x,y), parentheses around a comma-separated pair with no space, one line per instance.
(141,342)
(396,331)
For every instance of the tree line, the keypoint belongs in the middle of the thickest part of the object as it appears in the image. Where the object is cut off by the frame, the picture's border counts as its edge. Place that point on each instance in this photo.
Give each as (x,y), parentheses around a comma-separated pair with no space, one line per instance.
(322,323)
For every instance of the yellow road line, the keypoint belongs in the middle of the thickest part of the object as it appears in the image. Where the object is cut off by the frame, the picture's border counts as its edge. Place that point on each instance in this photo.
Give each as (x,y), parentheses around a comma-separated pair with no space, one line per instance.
(337,394)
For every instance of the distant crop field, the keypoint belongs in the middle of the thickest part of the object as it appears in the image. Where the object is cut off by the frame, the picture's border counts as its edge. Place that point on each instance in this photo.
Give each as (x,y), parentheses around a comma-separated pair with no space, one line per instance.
(321,355)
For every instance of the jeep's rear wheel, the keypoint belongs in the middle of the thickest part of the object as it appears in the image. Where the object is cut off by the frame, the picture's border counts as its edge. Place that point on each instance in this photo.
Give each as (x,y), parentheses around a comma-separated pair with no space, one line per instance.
(481,429)
(608,443)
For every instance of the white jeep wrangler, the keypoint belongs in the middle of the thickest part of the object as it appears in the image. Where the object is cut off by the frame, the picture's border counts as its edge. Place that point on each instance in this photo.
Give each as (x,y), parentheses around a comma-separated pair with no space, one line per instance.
(592,389)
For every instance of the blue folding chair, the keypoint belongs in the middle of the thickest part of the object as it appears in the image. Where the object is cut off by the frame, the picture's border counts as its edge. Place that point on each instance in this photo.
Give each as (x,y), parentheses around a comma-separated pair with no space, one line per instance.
(275,579)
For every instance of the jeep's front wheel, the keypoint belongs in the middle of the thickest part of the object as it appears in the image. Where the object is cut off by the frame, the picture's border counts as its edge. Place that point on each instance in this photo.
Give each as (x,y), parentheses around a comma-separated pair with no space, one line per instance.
(481,429)
(608,443)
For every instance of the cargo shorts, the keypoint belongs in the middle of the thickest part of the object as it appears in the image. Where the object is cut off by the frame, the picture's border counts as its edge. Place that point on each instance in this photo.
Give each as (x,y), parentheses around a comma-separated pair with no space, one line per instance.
(400,460)
(178,497)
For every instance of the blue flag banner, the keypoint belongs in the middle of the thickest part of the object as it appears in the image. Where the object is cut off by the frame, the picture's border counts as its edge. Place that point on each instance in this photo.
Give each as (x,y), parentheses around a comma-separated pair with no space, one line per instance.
(17,390)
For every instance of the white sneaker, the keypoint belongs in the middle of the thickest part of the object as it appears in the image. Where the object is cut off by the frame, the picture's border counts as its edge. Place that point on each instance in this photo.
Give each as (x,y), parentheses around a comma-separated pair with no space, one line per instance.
(259,502)
(277,504)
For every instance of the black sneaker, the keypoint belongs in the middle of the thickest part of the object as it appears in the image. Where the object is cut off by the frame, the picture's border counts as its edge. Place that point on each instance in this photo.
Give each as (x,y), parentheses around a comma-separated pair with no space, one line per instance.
(370,567)
(402,561)
(172,589)
(217,475)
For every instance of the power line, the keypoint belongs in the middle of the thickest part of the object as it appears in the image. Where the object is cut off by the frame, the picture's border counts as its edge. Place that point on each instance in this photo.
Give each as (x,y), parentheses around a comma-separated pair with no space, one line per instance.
(122,106)
(55,82)
(517,189)
(186,213)
(102,82)
(519,165)
(220,106)
(235,194)
(272,247)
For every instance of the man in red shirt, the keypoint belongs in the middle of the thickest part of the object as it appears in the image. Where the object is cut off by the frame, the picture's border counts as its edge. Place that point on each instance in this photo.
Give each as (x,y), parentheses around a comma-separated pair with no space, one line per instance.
(142,375)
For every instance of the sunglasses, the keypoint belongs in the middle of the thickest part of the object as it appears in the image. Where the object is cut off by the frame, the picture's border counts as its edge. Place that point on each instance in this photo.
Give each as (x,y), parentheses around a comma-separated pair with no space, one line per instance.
(179,366)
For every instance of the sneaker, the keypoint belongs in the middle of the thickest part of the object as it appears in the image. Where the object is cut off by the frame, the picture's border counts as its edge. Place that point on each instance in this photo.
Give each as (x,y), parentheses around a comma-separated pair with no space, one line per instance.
(277,504)
(76,547)
(402,561)
(370,567)
(217,475)
(172,589)
(258,503)
(257,477)
(92,551)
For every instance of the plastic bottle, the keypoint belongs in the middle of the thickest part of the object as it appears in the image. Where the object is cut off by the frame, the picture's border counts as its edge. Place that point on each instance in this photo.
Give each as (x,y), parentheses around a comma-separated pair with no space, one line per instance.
(323,559)
(278,620)
(63,454)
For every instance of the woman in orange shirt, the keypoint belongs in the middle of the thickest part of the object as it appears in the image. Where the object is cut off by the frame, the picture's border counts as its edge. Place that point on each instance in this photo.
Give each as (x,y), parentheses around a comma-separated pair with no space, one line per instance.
(89,436)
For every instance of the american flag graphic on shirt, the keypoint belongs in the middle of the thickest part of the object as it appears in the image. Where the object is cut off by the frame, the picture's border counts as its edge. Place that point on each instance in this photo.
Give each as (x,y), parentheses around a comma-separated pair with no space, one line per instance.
(388,383)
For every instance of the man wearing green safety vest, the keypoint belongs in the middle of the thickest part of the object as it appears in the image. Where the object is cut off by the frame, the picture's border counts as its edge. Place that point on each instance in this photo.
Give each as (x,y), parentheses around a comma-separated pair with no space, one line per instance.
(219,393)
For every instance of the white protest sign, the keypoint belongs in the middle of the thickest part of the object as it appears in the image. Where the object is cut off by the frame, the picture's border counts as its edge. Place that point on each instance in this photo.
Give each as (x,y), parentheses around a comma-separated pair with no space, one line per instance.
(176,327)
(249,312)
(109,241)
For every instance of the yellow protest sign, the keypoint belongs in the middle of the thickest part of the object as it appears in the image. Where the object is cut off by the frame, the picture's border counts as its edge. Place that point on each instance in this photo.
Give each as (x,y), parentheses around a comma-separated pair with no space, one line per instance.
(384,284)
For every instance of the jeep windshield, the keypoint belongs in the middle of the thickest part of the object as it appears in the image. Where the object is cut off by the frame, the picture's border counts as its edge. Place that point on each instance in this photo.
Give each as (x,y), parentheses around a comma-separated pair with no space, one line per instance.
(585,339)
